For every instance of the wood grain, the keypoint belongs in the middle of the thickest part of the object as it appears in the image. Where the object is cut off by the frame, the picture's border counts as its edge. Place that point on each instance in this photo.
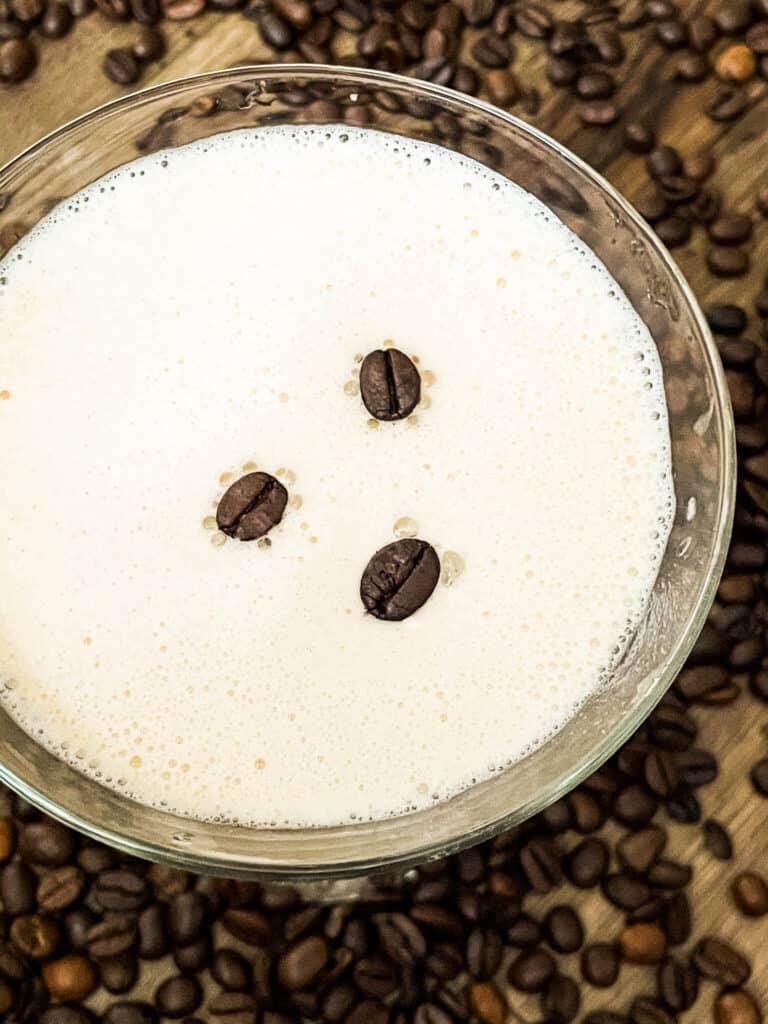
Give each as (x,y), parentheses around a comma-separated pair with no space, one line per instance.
(69,81)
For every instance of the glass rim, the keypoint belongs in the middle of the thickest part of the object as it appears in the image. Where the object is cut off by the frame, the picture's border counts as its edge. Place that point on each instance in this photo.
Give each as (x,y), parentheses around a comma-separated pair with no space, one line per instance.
(222,862)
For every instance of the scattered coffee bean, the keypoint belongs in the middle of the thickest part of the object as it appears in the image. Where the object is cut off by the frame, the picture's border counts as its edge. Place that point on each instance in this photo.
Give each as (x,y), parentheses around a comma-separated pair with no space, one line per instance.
(673,231)
(121,67)
(563,929)
(737,1007)
(560,1000)
(70,977)
(46,843)
(531,970)
(750,893)
(599,112)
(715,958)
(130,1013)
(36,936)
(600,964)
(251,506)
(643,943)
(678,984)
(60,888)
(390,384)
(759,776)
(638,138)
(17,60)
(178,996)
(118,974)
(18,888)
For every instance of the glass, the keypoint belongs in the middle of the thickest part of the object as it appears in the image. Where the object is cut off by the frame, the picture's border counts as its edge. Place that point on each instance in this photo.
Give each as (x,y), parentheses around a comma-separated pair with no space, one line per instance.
(701,428)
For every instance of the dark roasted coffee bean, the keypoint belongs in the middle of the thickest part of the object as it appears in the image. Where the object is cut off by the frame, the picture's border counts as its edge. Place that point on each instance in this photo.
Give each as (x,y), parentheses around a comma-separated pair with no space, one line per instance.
(643,943)
(149,44)
(638,138)
(598,112)
(251,506)
(625,892)
(586,863)
(678,189)
(492,50)
(673,231)
(194,956)
(727,105)
(390,384)
(727,262)
(430,1013)
(691,67)
(678,984)
(233,1007)
(231,970)
(676,919)
(715,958)
(595,85)
(661,772)
(154,940)
(600,964)
(683,805)
(301,963)
(46,843)
(401,938)
(111,936)
(56,20)
(560,1000)
(645,1010)
(484,952)
(178,996)
(562,71)
(35,935)
(654,208)
(440,920)
(399,578)
(563,929)
(750,893)
(130,1013)
(250,926)
(18,888)
(524,931)
(702,33)
(64,1014)
(121,67)
(12,966)
(60,888)
(120,890)
(634,806)
(444,962)
(695,683)
(637,851)
(759,776)
(586,813)
(534,21)
(93,859)
(699,166)
(375,977)
(118,974)
(672,729)
(730,230)
(531,970)
(608,43)
(717,840)
(76,926)
(187,916)
(672,34)
(733,16)
(697,767)
(663,161)
(540,859)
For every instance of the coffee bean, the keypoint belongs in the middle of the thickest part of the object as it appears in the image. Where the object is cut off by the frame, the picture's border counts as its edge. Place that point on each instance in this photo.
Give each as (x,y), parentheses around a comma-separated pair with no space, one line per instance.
(36,935)
(233,1007)
(18,888)
(634,806)
(120,66)
(119,973)
(598,112)
(64,1014)
(563,929)
(697,768)
(702,33)
(46,843)
(637,851)
(691,67)
(130,1013)
(524,931)
(672,34)
(733,16)
(605,1017)
(595,85)
(149,44)
(375,977)
(654,207)
(562,71)
(638,138)
(736,63)
(643,943)
(673,231)
(56,21)
(671,729)
(560,1000)
(663,162)
(12,966)
(737,1008)
(600,964)
(645,1010)
(715,958)
(178,996)
(607,42)
(757,38)
(251,506)
(625,892)
(586,812)
(231,970)
(70,977)
(661,772)
(93,859)
(540,859)
(111,936)
(676,919)
(60,888)
(484,952)
(731,230)
(586,863)
(678,984)
(717,840)
(194,956)
(531,970)
(250,926)
(534,21)
(727,262)
(750,893)
(390,384)
(727,105)
(401,938)
(300,964)
(399,578)
(699,166)
(154,940)
(759,776)
(503,87)
(187,916)
(120,890)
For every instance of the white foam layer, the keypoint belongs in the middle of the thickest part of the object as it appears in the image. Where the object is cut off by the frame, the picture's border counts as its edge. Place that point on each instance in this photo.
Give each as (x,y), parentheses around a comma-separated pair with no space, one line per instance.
(200,310)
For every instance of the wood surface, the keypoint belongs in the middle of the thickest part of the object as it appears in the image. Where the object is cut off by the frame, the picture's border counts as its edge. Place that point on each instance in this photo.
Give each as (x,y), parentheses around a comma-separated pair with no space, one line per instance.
(69,81)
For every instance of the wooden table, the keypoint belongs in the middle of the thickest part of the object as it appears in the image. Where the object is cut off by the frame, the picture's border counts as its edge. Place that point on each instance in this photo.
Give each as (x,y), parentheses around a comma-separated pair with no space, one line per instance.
(69,81)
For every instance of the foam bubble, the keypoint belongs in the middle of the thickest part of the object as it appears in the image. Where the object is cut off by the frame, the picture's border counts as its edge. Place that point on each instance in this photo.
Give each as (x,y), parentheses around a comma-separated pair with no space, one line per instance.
(201,310)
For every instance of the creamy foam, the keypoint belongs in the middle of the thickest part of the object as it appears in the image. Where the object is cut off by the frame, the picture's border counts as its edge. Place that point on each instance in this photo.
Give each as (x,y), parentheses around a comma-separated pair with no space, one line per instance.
(203,310)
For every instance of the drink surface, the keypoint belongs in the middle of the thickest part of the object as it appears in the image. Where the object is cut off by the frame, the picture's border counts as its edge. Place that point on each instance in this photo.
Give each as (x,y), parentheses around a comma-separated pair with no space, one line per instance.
(202,312)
